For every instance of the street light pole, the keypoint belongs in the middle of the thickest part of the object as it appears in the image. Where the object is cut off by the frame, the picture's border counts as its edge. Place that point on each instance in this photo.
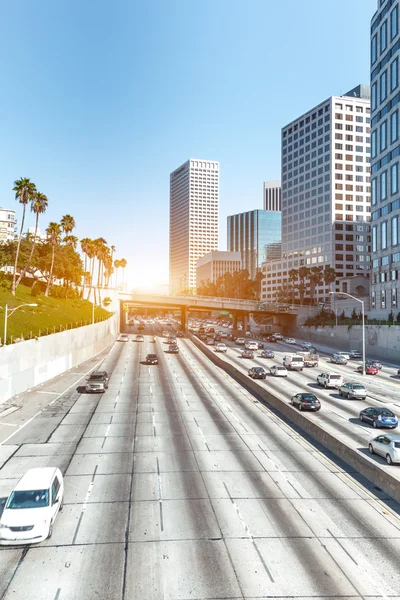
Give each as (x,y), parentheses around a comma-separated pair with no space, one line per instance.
(7,313)
(363,324)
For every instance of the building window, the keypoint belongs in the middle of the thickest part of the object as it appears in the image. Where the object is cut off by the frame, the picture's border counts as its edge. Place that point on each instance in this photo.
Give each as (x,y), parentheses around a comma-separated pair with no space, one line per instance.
(374,238)
(394,232)
(384,235)
(383,185)
(394,19)
(383,298)
(383,36)
(383,86)
(374,49)
(383,135)
(374,96)
(394,70)
(394,127)
(394,178)
(374,149)
(374,189)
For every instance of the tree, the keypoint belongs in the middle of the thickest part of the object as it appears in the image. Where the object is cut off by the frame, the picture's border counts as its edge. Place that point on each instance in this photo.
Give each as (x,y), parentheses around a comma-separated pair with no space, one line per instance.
(316,278)
(329,275)
(354,315)
(91,252)
(53,233)
(303,275)
(24,192)
(67,223)
(71,240)
(293,276)
(391,317)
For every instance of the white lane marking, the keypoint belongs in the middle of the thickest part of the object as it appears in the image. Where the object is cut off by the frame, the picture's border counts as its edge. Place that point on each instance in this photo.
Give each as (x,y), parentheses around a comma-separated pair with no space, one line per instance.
(153,418)
(55,400)
(87,496)
(151,391)
(8,424)
(50,393)
(107,431)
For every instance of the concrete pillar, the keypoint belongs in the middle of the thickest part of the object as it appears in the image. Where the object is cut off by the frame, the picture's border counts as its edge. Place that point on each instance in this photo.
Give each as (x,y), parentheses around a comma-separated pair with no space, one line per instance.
(184,318)
(245,322)
(235,320)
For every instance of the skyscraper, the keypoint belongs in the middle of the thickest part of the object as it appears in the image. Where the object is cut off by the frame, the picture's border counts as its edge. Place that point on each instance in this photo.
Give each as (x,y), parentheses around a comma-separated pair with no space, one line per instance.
(385,152)
(272,195)
(256,234)
(193,220)
(325,191)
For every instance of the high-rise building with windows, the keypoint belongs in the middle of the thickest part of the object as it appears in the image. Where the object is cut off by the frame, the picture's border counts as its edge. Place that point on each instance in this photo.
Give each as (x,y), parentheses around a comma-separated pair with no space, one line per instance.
(385,157)
(193,222)
(256,234)
(325,191)
(272,195)
(217,263)
(8,225)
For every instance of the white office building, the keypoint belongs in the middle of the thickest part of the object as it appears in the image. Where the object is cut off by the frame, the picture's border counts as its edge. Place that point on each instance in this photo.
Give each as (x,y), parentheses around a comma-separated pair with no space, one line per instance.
(325,192)
(215,264)
(272,195)
(385,153)
(193,233)
(8,225)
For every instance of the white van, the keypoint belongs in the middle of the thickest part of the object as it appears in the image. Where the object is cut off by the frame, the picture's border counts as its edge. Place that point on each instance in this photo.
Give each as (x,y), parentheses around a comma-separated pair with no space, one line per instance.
(293,362)
(32,507)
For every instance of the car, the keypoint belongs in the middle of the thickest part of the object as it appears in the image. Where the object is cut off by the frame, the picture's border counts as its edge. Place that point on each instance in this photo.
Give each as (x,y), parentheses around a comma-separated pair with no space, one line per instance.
(271,339)
(251,346)
(290,340)
(240,342)
(203,337)
(210,342)
(278,336)
(151,359)
(305,401)
(330,380)
(97,381)
(165,334)
(180,334)
(260,345)
(171,340)
(141,327)
(139,338)
(247,354)
(278,371)
(217,338)
(306,345)
(221,348)
(267,354)
(173,349)
(355,354)
(379,417)
(374,363)
(345,355)
(388,446)
(223,334)
(338,359)
(353,390)
(369,369)
(123,338)
(32,507)
(257,373)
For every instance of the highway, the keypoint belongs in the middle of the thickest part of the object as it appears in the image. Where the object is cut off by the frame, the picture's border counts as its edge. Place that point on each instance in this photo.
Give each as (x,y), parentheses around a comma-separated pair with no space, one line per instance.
(179,484)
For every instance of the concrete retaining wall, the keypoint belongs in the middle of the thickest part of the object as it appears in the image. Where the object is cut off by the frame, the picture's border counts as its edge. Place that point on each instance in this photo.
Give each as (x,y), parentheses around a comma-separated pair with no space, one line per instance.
(381,341)
(364,464)
(27,364)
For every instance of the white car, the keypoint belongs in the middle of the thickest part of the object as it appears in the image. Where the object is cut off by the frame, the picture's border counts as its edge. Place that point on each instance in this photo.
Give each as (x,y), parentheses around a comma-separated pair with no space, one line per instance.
(279,371)
(344,355)
(32,507)
(223,334)
(210,342)
(330,380)
(278,336)
(240,342)
(251,346)
(123,338)
(290,341)
(221,348)
(388,446)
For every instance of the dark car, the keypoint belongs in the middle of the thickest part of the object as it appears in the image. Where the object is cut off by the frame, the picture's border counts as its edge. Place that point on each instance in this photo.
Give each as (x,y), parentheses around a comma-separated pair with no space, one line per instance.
(141,327)
(247,354)
(257,373)
(203,337)
(180,334)
(379,417)
(373,363)
(306,402)
(217,338)
(267,354)
(173,349)
(151,359)
(232,337)
(271,339)
(355,354)
(260,345)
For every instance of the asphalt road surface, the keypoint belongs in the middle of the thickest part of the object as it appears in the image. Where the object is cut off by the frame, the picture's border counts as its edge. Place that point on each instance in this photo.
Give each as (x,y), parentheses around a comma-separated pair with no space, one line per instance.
(180,485)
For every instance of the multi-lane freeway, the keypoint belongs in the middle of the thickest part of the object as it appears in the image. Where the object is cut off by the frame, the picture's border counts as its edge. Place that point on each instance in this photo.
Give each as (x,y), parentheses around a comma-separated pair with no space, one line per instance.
(180,485)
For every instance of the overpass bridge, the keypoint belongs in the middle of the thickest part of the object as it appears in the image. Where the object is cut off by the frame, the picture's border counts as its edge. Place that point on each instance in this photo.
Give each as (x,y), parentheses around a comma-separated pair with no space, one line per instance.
(283,316)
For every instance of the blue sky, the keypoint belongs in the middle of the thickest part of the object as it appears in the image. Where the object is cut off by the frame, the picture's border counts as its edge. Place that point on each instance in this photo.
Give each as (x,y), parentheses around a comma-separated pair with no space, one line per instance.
(100,101)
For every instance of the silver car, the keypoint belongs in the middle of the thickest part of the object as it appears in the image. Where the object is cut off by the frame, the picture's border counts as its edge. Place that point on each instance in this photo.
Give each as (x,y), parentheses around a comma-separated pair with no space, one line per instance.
(353,390)
(386,445)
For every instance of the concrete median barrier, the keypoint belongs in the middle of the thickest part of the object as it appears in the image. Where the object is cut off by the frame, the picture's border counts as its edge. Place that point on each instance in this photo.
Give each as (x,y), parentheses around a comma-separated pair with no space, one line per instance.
(363,463)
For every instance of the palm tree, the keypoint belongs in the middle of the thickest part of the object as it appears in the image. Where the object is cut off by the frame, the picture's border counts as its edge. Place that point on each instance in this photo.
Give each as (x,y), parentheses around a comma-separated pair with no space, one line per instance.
(329,275)
(303,274)
(24,191)
(84,247)
(123,264)
(67,224)
(293,276)
(316,278)
(71,240)
(117,264)
(39,204)
(53,233)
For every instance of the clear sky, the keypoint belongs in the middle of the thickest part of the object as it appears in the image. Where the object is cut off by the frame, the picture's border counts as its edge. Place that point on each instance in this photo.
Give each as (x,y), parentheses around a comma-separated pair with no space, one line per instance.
(101,100)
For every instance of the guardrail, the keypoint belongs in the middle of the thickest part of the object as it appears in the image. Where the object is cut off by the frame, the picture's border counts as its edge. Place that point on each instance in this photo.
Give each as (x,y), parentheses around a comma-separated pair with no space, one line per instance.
(365,465)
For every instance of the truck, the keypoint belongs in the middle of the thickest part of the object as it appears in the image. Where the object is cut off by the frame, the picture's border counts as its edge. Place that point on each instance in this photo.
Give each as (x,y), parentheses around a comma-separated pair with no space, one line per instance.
(293,362)
(310,359)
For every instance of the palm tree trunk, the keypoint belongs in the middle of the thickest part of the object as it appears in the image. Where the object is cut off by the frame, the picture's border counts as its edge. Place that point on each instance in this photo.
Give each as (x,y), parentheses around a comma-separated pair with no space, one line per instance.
(51,272)
(31,254)
(14,282)
(116,278)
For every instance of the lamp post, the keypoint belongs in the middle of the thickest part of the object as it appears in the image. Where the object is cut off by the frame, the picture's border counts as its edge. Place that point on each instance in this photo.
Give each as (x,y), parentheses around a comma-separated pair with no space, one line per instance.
(363,324)
(7,313)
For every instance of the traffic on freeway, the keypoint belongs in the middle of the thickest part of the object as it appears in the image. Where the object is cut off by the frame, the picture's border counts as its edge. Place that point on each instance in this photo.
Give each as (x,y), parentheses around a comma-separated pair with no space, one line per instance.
(175,482)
